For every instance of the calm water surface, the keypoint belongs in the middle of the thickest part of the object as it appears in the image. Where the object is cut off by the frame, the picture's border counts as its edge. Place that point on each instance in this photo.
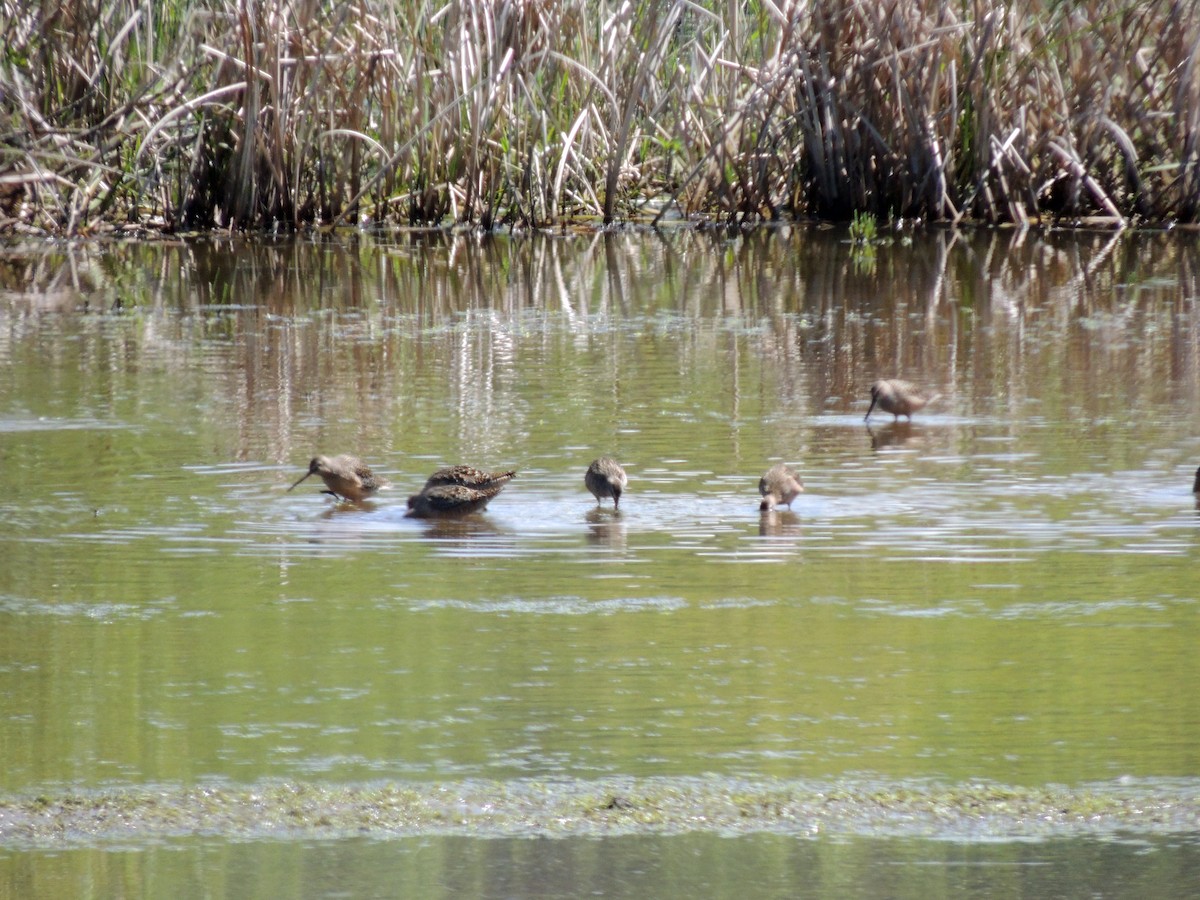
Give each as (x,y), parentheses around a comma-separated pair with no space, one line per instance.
(1003,591)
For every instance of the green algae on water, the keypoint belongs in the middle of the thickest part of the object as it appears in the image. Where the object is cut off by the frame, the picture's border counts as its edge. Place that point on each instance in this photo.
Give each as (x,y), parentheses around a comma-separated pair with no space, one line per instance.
(295,810)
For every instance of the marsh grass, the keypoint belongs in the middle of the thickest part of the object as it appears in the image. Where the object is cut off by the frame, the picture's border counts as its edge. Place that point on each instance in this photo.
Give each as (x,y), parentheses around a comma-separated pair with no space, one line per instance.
(528,113)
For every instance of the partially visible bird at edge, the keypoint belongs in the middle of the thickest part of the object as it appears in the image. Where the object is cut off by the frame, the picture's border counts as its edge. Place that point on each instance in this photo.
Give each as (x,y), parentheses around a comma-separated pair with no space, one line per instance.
(346,477)
(780,486)
(900,398)
(605,477)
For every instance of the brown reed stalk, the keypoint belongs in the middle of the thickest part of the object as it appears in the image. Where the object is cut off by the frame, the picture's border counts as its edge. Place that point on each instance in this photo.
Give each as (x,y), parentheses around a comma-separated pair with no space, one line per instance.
(266,114)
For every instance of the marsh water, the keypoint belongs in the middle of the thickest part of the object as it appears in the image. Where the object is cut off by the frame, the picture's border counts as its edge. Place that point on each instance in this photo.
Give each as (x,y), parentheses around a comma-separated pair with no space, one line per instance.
(1003,592)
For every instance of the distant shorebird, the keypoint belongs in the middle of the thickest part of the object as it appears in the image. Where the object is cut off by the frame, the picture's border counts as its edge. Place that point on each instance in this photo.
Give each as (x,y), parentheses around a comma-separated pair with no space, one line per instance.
(345,476)
(606,478)
(457,491)
(900,398)
(1196,484)
(781,485)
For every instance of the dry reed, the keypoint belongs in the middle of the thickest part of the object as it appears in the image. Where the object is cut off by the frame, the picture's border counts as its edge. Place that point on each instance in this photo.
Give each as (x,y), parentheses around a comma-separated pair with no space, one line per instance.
(529,113)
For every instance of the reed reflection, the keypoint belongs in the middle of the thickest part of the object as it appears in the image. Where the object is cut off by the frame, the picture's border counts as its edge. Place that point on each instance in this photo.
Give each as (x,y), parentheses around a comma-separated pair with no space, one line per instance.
(307,345)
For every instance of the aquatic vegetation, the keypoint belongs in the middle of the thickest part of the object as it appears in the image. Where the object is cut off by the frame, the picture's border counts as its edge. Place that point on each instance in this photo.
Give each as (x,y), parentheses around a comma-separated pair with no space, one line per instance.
(623,806)
(863,237)
(863,228)
(503,112)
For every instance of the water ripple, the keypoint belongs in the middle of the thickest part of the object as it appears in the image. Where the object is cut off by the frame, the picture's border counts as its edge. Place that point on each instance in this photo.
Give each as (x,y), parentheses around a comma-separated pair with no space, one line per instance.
(558,606)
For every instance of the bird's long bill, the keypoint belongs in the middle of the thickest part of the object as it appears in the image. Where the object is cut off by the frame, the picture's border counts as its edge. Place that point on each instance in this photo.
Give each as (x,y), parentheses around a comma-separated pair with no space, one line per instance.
(874,397)
(301,478)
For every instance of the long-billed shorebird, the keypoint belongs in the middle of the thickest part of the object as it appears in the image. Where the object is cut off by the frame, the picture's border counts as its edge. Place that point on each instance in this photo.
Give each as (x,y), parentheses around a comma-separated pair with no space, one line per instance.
(346,477)
(606,478)
(457,491)
(900,398)
(781,485)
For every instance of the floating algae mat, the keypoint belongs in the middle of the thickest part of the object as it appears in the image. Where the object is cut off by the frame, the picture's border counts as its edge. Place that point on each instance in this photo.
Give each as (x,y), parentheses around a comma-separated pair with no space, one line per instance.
(602,808)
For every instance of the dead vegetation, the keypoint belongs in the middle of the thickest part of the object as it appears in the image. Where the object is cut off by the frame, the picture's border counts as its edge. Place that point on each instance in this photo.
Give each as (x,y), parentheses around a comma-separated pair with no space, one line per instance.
(530,113)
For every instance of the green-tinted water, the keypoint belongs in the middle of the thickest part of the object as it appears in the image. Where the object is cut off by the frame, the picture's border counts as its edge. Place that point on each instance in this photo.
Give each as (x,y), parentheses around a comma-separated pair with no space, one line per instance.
(1003,591)
(762,866)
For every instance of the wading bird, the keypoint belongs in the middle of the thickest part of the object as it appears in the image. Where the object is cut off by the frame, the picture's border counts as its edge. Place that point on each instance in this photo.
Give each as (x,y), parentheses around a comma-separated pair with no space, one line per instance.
(457,491)
(346,477)
(900,398)
(469,476)
(446,500)
(781,485)
(606,478)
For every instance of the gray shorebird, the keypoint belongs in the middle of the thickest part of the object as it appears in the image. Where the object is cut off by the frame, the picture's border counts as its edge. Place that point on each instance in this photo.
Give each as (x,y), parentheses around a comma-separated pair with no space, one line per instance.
(606,478)
(781,485)
(900,398)
(345,476)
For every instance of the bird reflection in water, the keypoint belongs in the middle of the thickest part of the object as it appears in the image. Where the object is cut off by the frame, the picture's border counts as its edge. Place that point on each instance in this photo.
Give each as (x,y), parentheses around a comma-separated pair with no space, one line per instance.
(344,507)
(779,523)
(605,528)
(894,434)
(462,528)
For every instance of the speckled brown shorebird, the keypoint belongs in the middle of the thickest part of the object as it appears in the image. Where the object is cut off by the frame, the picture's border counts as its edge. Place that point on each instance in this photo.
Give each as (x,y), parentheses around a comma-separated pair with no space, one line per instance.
(469,476)
(900,398)
(346,477)
(445,500)
(781,485)
(606,478)
(457,491)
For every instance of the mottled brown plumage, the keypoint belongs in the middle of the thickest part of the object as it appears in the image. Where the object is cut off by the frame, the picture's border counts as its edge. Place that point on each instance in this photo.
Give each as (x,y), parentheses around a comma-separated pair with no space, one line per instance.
(606,478)
(446,500)
(781,485)
(345,476)
(900,398)
(469,476)
(457,491)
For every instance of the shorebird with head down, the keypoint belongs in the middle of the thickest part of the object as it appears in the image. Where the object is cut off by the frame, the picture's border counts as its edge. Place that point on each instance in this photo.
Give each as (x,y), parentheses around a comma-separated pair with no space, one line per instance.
(781,485)
(605,477)
(346,477)
(900,398)
(457,491)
